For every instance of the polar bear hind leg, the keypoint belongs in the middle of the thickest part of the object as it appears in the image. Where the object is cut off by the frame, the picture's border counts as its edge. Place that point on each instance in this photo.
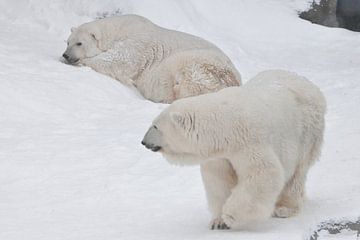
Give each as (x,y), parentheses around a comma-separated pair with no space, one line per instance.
(201,78)
(292,196)
(199,72)
(313,104)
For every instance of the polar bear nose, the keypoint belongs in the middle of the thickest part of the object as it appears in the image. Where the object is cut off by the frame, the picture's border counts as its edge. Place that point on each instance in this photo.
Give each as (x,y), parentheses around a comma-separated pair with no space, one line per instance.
(150,146)
(66,56)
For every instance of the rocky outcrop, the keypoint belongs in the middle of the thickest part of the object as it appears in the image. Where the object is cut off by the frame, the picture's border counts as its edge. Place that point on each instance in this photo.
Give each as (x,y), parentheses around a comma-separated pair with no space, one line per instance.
(335,13)
(323,13)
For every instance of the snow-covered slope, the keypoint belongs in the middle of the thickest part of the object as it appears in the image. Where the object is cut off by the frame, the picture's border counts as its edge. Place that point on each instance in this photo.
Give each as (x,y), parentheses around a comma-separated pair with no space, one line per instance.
(71,163)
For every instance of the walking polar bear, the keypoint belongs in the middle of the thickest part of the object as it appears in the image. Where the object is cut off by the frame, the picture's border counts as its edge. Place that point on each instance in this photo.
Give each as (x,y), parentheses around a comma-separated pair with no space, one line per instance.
(254,144)
(162,64)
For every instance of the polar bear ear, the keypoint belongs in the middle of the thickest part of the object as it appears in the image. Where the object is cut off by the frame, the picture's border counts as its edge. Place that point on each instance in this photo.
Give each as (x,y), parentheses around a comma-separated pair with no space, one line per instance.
(73,29)
(95,35)
(178,119)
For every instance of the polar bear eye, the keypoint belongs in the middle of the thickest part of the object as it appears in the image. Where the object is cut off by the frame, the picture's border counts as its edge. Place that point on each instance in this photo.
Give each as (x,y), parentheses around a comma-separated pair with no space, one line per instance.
(155,127)
(78,44)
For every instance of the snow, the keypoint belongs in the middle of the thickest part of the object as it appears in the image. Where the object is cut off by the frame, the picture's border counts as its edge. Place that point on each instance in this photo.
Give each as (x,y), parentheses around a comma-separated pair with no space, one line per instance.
(71,162)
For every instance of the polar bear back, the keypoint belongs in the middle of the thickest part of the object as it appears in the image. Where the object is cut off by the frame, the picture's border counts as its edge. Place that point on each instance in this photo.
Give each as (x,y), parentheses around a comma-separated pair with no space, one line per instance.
(115,28)
(277,109)
(275,90)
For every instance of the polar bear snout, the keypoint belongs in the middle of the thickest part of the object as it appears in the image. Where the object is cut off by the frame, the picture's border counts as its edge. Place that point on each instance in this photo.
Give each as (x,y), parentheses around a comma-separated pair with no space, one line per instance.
(152,139)
(150,146)
(66,56)
(69,59)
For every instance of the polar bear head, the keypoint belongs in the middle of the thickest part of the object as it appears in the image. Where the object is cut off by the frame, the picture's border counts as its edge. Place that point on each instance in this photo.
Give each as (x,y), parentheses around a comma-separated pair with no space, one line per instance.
(170,134)
(82,43)
(185,134)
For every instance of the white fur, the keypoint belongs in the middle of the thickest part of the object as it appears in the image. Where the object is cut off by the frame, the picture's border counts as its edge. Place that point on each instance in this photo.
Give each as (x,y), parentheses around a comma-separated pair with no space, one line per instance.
(254,143)
(162,64)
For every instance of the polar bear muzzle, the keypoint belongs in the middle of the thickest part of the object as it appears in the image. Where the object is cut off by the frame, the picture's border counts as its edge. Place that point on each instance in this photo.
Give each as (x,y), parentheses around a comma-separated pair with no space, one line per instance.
(70,60)
(152,139)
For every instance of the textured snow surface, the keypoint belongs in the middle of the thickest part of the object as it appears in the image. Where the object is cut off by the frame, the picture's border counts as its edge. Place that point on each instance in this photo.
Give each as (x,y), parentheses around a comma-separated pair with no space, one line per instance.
(71,163)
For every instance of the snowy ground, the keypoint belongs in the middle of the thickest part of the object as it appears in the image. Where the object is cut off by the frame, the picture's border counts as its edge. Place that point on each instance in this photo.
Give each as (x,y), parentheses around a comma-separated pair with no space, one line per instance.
(71,163)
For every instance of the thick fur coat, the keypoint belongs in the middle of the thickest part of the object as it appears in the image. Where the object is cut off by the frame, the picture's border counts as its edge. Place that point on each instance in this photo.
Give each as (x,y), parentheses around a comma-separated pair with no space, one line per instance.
(255,145)
(164,65)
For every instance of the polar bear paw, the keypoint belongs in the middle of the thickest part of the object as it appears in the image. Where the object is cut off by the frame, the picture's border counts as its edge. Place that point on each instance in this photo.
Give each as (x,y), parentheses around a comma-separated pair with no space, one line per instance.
(284,212)
(229,220)
(218,223)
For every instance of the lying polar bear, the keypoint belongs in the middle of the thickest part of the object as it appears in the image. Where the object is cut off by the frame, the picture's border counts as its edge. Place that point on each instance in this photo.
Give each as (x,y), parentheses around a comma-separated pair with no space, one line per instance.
(162,64)
(255,145)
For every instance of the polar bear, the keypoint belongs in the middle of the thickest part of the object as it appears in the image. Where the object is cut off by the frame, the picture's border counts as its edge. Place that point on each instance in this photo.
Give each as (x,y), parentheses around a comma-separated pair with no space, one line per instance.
(254,144)
(162,64)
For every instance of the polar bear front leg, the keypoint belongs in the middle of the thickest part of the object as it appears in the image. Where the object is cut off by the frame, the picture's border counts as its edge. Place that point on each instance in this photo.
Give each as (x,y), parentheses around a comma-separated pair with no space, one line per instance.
(219,178)
(115,68)
(260,181)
